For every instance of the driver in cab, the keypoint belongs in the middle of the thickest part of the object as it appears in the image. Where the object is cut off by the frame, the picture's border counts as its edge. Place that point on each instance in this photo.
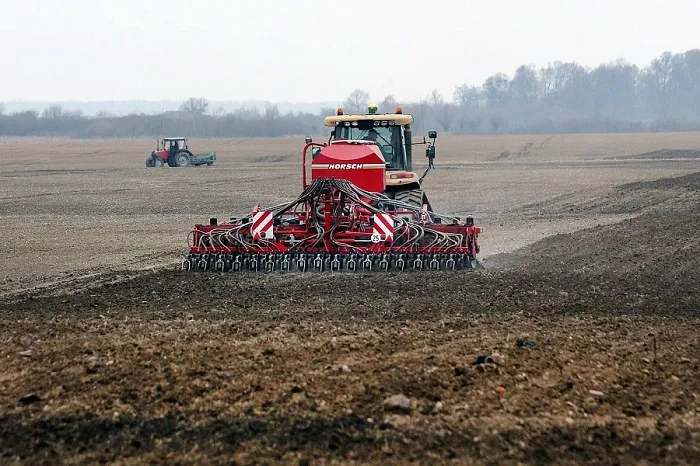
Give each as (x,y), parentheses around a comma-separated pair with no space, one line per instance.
(371,136)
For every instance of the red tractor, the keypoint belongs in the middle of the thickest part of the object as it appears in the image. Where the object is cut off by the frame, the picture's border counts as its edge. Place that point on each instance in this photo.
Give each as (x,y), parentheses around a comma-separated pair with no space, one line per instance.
(175,153)
(363,209)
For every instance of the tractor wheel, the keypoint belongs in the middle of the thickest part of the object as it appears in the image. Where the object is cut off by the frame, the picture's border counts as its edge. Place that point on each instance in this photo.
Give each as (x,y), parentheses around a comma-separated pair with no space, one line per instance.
(158,163)
(149,162)
(410,196)
(182,159)
(415,197)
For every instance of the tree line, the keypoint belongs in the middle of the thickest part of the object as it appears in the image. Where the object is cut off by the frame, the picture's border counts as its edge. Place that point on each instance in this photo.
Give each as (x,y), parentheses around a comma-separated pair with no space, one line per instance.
(561,97)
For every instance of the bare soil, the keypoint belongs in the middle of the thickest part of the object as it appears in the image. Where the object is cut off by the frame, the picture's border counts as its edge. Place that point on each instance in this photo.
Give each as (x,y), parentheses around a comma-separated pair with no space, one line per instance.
(579,343)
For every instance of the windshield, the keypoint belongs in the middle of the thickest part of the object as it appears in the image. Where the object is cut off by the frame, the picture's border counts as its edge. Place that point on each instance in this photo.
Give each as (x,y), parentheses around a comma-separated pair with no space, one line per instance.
(172,144)
(388,138)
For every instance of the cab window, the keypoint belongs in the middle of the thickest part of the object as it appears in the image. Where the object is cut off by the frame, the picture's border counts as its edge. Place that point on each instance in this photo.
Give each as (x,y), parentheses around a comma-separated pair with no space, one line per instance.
(388,138)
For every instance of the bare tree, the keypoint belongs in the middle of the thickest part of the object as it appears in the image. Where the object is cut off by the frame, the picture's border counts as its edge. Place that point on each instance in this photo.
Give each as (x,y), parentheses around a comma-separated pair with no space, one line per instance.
(525,86)
(436,98)
(445,115)
(546,78)
(469,100)
(496,88)
(474,120)
(218,112)
(53,112)
(613,90)
(496,122)
(388,105)
(657,78)
(247,113)
(462,117)
(468,96)
(571,87)
(443,112)
(271,111)
(195,106)
(357,101)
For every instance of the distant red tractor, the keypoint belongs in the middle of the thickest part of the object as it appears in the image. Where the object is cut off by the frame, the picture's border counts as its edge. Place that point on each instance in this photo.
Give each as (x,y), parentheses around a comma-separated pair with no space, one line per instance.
(175,153)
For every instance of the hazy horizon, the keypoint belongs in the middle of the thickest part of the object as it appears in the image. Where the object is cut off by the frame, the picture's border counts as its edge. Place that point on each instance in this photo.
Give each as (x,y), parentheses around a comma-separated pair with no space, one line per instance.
(313,51)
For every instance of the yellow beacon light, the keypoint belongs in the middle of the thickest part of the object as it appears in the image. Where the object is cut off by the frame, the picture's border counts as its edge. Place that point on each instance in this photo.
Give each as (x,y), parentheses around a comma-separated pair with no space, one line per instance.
(373,108)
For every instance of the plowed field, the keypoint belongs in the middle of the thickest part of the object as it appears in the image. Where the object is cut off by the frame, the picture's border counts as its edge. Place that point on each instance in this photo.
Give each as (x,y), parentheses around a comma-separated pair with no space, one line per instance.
(579,342)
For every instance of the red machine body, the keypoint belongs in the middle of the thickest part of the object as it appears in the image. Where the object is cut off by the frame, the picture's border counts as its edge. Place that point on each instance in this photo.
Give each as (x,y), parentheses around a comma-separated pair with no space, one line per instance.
(361,164)
(161,154)
(342,221)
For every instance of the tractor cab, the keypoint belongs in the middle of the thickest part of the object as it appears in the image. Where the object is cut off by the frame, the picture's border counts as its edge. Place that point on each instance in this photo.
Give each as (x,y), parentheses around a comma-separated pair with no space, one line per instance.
(391,132)
(172,145)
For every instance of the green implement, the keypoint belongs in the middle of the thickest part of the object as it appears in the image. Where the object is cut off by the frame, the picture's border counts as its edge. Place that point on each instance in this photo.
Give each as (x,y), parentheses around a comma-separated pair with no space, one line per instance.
(203,159)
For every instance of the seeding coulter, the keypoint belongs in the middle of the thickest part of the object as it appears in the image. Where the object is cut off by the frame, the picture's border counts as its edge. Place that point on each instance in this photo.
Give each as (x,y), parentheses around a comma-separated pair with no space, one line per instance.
(363,209)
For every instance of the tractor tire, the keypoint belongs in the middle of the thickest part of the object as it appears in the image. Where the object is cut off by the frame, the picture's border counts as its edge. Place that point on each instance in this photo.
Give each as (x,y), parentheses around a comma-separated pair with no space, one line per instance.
(158,163)
(411,196)
(415,197)
(149,163)
(182,159)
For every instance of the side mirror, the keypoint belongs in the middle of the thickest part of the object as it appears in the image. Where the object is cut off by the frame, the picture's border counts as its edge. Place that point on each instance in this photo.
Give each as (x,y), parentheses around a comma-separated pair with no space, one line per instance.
(308,140)
(430,152)
(432,134)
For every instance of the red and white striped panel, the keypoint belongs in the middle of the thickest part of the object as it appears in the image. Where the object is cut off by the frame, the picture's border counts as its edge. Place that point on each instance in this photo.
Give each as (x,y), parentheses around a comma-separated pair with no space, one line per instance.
(262,226)
(383,229)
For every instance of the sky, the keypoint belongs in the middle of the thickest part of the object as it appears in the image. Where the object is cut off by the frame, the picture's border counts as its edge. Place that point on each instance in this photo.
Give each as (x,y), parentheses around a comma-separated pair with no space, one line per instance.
(308,50)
